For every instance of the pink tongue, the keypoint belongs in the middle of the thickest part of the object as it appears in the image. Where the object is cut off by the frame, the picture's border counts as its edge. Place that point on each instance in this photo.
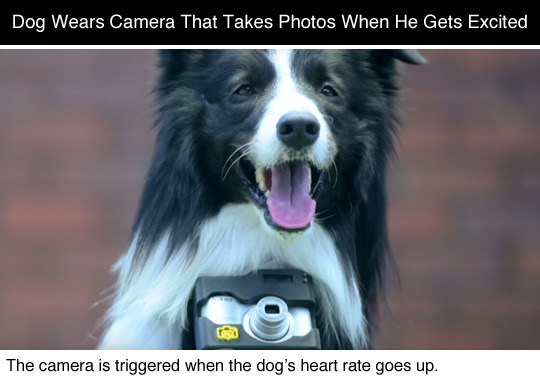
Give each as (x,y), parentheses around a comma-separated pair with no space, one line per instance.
(290,204)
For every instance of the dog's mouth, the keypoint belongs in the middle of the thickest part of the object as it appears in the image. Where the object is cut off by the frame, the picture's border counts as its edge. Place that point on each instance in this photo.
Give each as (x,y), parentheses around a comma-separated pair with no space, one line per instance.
(287,192)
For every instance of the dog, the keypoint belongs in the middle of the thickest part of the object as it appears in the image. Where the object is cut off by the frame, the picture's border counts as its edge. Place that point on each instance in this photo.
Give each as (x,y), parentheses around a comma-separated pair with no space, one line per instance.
(263,159)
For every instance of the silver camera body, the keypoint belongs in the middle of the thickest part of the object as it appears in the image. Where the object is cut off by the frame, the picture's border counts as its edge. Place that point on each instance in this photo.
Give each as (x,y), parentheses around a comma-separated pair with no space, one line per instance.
(267,309)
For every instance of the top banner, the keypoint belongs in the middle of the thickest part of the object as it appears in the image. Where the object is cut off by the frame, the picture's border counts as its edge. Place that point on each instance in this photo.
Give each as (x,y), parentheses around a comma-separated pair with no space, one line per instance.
(188,25)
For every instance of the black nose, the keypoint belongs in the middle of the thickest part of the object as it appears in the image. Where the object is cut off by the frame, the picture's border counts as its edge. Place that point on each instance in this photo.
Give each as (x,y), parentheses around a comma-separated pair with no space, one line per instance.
(298,129)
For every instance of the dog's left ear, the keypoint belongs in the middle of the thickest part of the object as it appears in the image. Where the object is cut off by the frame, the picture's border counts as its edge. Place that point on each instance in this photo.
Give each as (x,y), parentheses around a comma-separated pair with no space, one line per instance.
(407,56)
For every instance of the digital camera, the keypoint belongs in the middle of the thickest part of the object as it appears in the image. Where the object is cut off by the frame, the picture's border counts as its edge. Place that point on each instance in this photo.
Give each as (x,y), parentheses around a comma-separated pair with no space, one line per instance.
(266,309)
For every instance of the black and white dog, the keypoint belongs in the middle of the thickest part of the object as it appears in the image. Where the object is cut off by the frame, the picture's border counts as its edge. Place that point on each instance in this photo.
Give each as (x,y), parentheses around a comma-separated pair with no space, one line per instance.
(264,159)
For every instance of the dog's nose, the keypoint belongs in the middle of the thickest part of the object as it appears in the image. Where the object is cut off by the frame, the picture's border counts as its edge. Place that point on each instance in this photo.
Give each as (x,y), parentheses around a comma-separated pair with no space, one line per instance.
(298,129)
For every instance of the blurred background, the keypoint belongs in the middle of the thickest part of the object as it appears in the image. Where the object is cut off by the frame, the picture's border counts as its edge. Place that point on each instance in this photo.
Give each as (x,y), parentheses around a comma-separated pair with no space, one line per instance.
(464,196)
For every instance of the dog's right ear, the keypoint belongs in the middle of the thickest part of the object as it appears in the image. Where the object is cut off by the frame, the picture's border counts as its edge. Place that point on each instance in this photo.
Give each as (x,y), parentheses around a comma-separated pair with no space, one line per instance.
(167,55)
(171,55)
(178,58)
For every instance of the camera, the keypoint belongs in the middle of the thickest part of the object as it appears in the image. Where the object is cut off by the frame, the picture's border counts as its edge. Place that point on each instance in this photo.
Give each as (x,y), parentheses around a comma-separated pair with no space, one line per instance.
(265,309)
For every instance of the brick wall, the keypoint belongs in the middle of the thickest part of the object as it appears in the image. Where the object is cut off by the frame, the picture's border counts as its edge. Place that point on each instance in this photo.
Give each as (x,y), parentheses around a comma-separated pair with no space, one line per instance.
(464,211)
(465,204)
(74,145)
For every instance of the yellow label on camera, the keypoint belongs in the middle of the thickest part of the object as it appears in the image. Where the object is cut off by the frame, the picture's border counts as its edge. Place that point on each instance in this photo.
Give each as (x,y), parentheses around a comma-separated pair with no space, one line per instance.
(227,333)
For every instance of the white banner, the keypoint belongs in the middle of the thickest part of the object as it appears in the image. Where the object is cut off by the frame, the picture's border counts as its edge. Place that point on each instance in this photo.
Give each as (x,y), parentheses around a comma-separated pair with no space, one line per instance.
(284,363)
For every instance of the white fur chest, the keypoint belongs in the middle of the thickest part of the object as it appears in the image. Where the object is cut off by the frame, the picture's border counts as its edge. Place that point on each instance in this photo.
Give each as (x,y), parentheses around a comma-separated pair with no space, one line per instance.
(234,242)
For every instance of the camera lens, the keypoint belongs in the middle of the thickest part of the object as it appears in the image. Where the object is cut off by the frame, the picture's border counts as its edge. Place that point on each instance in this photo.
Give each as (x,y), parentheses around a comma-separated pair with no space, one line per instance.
(271,309)
(270,319)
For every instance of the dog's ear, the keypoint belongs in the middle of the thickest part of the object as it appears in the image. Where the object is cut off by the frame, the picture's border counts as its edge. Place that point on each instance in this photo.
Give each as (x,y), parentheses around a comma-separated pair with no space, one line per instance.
(169,55)
(407,56)
(178,58)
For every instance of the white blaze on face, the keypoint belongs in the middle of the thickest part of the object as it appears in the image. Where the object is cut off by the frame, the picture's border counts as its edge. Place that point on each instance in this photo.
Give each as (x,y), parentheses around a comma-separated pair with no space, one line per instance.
(287,97)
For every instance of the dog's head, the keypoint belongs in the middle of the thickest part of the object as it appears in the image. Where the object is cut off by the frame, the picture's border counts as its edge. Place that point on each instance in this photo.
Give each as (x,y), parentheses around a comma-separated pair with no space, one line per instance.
(293,132)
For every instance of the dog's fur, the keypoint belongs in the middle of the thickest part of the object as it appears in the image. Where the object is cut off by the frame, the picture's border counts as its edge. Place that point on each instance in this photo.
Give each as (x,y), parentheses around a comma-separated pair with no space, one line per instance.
(201,212)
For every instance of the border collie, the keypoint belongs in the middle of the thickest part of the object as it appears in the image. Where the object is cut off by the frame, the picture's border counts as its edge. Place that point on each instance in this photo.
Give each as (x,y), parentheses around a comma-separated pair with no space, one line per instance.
(263,159)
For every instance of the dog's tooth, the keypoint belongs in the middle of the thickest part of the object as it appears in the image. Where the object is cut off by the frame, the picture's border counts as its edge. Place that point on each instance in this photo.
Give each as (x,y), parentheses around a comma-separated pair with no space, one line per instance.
(262,185)
(267,193)
(309,178)
(259,175)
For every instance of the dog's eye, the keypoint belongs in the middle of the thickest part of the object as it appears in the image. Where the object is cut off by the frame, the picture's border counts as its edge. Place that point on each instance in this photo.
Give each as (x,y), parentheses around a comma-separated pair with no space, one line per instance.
(244,90)
(328,91)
